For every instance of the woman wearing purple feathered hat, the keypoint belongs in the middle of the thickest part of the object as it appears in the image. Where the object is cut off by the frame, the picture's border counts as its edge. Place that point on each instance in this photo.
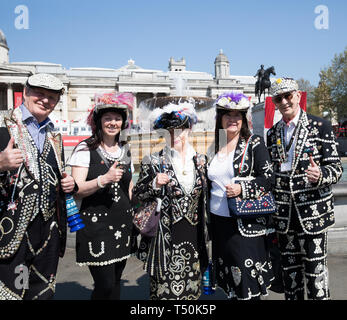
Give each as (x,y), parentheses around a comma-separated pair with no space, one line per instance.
(240,255)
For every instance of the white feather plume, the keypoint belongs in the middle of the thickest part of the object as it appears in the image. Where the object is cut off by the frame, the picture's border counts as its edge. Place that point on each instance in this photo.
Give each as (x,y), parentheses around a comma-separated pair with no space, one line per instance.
(184,108)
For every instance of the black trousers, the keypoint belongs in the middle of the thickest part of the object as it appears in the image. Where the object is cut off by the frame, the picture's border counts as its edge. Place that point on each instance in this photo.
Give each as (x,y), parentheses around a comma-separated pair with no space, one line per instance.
(107,281)
(304,262)
(31,272)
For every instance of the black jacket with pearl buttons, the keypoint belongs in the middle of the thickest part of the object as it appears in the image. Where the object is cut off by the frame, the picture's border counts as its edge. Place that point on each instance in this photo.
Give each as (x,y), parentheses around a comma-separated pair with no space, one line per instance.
(257,164)
(313,201)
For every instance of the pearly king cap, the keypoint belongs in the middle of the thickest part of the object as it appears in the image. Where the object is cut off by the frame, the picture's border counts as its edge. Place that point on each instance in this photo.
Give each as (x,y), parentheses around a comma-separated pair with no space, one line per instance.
(232,101)
(46,81)
(283,85)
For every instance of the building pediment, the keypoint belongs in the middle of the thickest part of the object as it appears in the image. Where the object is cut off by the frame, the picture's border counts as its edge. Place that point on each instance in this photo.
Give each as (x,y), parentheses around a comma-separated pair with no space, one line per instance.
(6,70)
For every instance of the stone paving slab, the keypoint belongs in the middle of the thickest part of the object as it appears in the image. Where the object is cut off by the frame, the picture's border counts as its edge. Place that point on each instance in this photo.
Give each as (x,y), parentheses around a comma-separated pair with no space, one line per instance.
(75,282)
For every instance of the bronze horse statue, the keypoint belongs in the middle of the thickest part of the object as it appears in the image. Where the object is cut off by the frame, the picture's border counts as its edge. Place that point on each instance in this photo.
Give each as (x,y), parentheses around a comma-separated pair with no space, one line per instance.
(265,83)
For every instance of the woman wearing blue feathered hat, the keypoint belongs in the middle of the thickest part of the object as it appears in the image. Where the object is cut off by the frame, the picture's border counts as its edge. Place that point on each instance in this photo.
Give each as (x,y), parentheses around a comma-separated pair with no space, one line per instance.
(177,255)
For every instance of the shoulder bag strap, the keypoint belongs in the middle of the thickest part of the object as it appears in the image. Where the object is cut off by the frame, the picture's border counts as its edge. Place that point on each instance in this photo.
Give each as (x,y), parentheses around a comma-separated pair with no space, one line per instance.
(244,155)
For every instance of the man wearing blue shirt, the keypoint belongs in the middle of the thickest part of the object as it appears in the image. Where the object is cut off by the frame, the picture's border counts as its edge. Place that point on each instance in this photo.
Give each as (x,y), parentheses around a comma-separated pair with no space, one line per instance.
(32,187)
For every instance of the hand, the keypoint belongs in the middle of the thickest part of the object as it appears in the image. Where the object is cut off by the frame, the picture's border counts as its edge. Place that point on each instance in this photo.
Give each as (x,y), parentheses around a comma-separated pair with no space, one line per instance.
(313,171)
(162,179)
(67,183)
(10,158)
(114,174)
(233,190)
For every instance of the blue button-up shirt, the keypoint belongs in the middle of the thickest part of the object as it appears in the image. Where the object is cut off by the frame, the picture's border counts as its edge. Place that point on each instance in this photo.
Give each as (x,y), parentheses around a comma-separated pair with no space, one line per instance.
(36,130)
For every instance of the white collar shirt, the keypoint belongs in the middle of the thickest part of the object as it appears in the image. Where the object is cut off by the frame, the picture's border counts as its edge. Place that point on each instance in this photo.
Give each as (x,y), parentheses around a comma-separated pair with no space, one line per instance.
(184,170)
(220,173)
(288,132)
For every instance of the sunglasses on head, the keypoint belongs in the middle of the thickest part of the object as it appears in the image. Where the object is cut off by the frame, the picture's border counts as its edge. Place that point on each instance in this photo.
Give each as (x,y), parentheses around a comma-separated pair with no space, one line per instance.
(280,97)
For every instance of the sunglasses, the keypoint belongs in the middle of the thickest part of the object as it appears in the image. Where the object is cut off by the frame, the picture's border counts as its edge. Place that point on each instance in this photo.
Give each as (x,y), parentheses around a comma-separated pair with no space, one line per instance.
(279,98)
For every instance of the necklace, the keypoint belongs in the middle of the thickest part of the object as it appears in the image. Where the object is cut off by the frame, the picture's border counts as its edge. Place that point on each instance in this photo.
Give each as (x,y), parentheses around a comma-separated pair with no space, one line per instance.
(281,142)
(287,147)
(110,149)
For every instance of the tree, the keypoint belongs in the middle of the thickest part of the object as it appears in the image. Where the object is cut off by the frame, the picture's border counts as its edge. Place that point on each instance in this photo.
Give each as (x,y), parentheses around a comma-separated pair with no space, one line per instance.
(331,93)
(305,85)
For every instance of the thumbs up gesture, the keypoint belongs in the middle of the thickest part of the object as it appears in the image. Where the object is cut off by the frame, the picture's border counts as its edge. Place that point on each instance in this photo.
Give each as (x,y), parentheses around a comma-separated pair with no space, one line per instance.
(114,174)
(67,183)
(313,172)
(10,158)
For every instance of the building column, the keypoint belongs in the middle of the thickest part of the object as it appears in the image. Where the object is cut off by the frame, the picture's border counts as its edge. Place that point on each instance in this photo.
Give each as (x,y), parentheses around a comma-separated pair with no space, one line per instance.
(9,96)
(135,110)
(64,105)
(2,99)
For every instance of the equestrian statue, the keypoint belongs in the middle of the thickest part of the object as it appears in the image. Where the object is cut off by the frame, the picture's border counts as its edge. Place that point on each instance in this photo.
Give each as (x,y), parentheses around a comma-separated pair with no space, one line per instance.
(263,81)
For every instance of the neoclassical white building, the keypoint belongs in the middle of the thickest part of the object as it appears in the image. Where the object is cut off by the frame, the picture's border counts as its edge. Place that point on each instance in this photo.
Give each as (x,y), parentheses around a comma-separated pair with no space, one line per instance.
(82,84)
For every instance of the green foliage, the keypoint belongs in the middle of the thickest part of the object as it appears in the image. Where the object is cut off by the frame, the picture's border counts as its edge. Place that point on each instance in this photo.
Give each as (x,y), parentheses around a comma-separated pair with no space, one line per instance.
(305,85)
(331,93)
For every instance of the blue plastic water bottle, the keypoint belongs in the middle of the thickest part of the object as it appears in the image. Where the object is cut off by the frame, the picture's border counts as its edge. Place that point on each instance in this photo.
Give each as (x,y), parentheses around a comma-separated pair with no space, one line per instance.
(73,217)
(206,281)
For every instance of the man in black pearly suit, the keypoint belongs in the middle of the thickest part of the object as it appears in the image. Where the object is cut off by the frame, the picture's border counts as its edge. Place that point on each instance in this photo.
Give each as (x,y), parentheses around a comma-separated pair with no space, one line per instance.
(33,184)
(306,164)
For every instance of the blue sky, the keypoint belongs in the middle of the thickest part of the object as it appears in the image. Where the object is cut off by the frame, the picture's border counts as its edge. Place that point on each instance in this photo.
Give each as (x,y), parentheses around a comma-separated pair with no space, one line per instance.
(107,33)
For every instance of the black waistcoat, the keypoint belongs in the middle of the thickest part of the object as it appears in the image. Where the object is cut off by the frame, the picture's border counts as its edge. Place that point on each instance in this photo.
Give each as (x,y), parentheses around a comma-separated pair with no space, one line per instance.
(27,193)
(107,215)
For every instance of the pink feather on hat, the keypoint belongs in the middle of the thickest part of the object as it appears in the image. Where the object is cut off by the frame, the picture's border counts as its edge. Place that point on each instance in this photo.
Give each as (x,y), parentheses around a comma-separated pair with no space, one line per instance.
(112,100)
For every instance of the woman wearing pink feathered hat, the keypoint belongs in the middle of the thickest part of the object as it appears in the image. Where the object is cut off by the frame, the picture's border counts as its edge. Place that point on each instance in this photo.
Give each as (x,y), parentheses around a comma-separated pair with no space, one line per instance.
(102,167)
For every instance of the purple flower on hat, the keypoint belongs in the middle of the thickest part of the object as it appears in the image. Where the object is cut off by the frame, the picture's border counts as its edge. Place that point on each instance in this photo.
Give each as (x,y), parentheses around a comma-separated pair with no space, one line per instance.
(233,96)
(233,100)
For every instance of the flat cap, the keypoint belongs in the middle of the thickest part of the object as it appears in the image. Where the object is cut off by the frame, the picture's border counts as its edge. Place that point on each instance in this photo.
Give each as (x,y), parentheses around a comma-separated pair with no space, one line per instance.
(283,85)
(46,81)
